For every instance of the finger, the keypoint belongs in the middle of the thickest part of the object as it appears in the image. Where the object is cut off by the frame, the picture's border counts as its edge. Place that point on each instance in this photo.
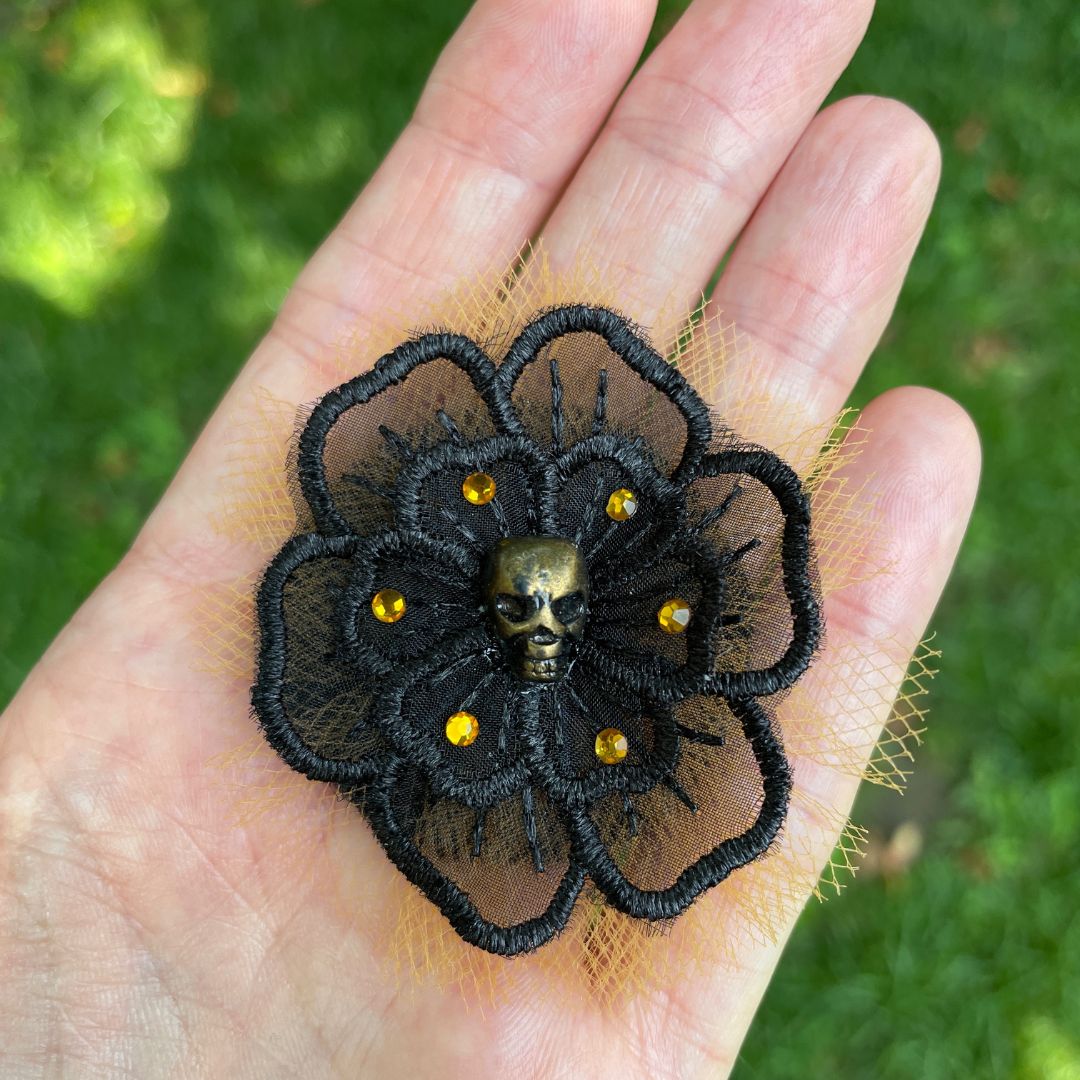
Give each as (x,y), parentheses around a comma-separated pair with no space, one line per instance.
(696,139)
(917,476)
(815,276)
(919,471)
(507,114)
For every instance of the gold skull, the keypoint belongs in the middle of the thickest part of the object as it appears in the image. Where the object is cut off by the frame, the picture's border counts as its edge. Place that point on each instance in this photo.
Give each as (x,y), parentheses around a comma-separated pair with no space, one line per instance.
(537,592)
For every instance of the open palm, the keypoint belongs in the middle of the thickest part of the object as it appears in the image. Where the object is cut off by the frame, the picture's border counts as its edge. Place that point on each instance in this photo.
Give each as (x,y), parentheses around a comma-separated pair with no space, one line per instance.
(142,931)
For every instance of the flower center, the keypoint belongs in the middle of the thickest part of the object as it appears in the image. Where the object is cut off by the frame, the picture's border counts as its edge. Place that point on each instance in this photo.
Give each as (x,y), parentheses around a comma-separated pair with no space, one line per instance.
(537,591)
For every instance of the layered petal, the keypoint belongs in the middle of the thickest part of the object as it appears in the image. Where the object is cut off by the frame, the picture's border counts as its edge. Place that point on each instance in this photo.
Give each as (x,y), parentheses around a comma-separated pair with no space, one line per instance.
(433,491)
(314,708)
(502,875)
(653,625)
(358,437)
(649,511)
(435,580)
(751,507)
(465,674)
(721,807)
(560,726)
(581,370)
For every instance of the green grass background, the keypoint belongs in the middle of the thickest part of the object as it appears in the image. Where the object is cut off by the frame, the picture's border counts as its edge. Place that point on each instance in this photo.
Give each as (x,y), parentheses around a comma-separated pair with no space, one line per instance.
(164,170)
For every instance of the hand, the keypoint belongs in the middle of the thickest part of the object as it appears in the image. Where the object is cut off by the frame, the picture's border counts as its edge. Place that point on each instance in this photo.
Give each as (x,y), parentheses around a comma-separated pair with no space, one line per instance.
(142,931)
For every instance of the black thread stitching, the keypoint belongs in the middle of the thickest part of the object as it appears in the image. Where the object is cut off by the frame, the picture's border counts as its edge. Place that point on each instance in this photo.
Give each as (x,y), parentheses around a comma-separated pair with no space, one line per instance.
(635,351)
(701,559)
(578,791)
(451,456)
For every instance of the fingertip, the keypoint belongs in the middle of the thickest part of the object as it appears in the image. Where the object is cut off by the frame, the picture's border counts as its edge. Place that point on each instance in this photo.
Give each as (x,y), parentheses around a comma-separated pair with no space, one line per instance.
(888,132)
(815,275)
(938,437)
(918,474)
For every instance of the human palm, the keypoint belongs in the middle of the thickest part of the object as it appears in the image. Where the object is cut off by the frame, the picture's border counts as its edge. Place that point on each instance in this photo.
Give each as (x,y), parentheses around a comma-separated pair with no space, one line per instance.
(143,931)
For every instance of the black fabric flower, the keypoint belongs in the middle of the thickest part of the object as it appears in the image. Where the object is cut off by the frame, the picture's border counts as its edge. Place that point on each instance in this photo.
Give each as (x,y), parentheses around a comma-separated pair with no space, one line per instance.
(537,625)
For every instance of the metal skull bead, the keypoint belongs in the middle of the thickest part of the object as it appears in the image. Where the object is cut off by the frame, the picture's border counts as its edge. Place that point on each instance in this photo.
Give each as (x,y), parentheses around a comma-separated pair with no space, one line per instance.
(537,591)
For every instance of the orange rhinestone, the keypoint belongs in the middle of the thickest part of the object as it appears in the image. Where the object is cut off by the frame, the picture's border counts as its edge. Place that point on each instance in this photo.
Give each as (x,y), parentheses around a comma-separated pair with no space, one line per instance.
(462,728)
(621,504)
(611,746)
(674,616)
(479,488)
(388,605)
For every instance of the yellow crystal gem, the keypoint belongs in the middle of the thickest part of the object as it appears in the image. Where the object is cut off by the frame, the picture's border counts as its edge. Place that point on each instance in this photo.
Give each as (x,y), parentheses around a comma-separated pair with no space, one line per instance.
(462,728)
(479,488)
(621,504)
(388,605)
(611,746)
(674,616)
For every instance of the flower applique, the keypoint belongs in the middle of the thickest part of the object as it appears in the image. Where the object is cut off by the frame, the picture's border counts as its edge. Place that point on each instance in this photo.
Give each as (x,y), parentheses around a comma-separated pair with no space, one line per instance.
(538,625)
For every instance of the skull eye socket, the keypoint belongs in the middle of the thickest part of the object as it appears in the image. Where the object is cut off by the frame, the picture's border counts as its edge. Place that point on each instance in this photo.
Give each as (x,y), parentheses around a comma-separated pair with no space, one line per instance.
(514,609)
(569,608)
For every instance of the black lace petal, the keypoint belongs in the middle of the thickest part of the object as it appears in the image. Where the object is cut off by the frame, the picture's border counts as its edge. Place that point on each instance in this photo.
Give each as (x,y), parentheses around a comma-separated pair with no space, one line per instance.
(465,673)
(429,497)
(653,855)
(564,392)
(560,726)
(588,474)
(627,643)
(798,602)
(314,708)
(323,488)
(509,904)
(437,579)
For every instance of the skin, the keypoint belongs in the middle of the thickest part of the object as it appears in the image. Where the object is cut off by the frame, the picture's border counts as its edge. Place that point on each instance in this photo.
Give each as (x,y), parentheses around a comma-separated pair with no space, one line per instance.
(142,932)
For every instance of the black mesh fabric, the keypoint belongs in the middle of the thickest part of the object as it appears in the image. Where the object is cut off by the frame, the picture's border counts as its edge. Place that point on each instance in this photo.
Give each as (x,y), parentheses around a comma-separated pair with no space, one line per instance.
(713,794)
(438,509)
(624,611)
(365,449)
(502,832)
(633,408)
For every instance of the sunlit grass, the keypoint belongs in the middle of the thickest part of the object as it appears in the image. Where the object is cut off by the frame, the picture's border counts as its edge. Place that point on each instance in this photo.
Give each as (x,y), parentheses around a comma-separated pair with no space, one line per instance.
(82,192)
(1048,1052)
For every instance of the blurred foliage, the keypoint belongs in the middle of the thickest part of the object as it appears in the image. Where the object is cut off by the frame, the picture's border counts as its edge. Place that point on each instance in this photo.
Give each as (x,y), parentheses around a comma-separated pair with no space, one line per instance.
(165,169)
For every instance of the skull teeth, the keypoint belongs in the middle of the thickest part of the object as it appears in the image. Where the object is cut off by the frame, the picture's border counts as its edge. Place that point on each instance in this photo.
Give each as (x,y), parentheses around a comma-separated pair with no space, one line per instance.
(542,670)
